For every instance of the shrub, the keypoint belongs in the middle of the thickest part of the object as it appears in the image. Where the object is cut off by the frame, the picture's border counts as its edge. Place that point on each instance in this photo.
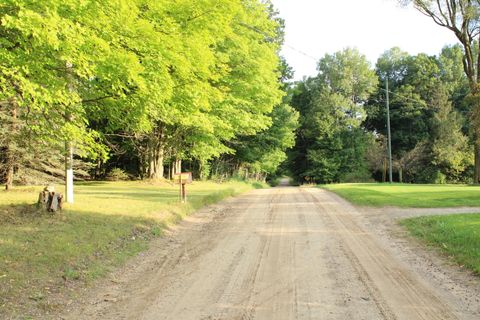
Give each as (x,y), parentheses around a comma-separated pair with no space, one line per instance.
(117,174)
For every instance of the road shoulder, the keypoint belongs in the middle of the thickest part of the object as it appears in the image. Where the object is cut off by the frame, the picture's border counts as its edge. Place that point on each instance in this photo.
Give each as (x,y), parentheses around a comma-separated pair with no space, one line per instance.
(450,280)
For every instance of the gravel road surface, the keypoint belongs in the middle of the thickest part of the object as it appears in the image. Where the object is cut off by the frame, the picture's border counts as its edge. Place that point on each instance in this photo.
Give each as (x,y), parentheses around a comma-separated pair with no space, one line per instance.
(280,253)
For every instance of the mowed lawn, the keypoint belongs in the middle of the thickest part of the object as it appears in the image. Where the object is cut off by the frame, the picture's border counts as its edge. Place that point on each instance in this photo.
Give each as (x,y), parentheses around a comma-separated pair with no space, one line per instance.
(458,236)
(408,195)
(41,252)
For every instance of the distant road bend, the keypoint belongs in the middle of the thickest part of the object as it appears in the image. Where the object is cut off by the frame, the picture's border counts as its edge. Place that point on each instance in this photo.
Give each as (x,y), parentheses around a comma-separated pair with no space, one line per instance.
(279,253)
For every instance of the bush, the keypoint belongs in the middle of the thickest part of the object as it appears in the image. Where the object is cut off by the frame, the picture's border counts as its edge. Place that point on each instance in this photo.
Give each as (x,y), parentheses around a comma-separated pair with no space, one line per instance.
(258,185)
(360,175)
(117,174)
(274,182)
(440,178)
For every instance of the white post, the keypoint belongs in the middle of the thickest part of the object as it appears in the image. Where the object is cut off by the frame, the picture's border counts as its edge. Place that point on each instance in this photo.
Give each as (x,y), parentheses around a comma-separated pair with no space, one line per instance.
(68,144)
(68,173)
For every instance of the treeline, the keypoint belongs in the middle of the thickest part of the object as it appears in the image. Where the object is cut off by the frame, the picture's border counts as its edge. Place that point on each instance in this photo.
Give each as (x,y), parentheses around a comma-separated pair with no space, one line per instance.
(138,86)
(343,119)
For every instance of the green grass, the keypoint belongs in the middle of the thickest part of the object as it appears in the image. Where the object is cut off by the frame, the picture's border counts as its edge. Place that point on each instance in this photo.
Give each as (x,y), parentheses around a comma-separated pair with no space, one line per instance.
(408,195)
(458,236)
(109,222)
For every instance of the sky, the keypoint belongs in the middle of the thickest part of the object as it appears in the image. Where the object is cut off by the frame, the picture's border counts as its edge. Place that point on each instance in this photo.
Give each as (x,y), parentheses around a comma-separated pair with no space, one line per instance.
(318,27)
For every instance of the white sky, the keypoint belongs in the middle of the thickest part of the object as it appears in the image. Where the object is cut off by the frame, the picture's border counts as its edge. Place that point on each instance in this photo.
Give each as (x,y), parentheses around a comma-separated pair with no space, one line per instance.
(318,27)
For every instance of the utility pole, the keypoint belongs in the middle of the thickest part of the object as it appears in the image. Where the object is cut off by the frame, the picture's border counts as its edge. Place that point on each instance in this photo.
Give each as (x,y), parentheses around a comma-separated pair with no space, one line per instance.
(389,136)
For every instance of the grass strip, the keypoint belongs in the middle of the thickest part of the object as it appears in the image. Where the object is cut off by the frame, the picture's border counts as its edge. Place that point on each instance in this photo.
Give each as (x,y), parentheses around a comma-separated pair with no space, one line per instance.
(408,195)
(457,236)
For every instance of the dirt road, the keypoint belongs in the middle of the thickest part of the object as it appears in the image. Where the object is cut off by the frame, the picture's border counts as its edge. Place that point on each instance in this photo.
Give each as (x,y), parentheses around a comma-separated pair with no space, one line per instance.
(281,253)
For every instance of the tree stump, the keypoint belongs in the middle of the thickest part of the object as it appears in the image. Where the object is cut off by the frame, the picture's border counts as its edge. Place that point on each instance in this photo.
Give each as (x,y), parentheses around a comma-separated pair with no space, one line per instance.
(50,200)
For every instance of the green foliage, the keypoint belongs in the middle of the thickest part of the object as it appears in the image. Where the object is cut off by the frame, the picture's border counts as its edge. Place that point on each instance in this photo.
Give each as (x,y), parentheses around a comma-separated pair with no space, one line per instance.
(461,18)
(451,152)
(265,151)
(457,236)
(427,101)
(117,174)
(331,145)
(160,79)
(343,119)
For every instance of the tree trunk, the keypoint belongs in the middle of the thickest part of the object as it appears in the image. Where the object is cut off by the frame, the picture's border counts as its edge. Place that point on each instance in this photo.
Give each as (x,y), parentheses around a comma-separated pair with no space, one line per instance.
(10,157)
(384,171)
(475,117)
(476,137)
(9,177)
(177,167)
(476,176)
(155,162)
(400,174)
(68,172)
(156,153)
(158,169)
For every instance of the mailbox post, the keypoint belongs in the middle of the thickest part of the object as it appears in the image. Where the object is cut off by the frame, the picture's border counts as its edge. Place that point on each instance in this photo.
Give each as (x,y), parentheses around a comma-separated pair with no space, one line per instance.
(182,179)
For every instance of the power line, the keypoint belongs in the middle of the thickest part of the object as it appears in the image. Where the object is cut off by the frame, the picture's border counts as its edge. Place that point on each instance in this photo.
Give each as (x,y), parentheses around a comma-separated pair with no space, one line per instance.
(389,135)
(267,36)
(254,28)
(420,101)
(301,52)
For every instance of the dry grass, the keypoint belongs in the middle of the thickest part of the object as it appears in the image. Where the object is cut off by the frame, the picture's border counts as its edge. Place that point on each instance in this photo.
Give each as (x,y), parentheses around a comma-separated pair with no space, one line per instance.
(41,253)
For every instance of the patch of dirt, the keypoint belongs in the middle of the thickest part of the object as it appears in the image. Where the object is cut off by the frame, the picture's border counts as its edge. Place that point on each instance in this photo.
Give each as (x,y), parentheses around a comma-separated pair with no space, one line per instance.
(284,253)
(447,277)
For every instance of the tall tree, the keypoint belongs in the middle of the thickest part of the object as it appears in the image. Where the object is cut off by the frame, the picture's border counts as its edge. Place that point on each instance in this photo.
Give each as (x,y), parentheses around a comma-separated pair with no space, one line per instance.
(39,40)
(450,148)
(462,17)
(331,143)
(174,78)
(421,87)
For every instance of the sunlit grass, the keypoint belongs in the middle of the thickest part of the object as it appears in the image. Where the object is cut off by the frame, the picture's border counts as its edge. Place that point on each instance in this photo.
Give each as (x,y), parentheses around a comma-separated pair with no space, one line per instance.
(458,236)
(109,222)
(408,195)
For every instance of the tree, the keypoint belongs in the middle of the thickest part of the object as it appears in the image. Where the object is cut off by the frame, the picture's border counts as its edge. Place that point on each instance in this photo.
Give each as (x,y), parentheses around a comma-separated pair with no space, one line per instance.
(332,144)
(264,152)
(229,94)
(451,153)
(9,140)
(412,79)
(421,89)
(462,17)
(302,95)
(163,79)
(40,40)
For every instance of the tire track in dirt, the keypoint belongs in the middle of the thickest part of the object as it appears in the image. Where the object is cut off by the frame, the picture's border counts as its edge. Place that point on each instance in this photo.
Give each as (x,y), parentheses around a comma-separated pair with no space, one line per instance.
(398,292)
(282,253)
(343,294)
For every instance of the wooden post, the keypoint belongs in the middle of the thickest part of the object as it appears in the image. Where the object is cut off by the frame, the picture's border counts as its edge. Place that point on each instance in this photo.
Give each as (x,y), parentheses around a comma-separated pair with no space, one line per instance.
(181,192)
(384,172)
(183,179)
(184,193)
